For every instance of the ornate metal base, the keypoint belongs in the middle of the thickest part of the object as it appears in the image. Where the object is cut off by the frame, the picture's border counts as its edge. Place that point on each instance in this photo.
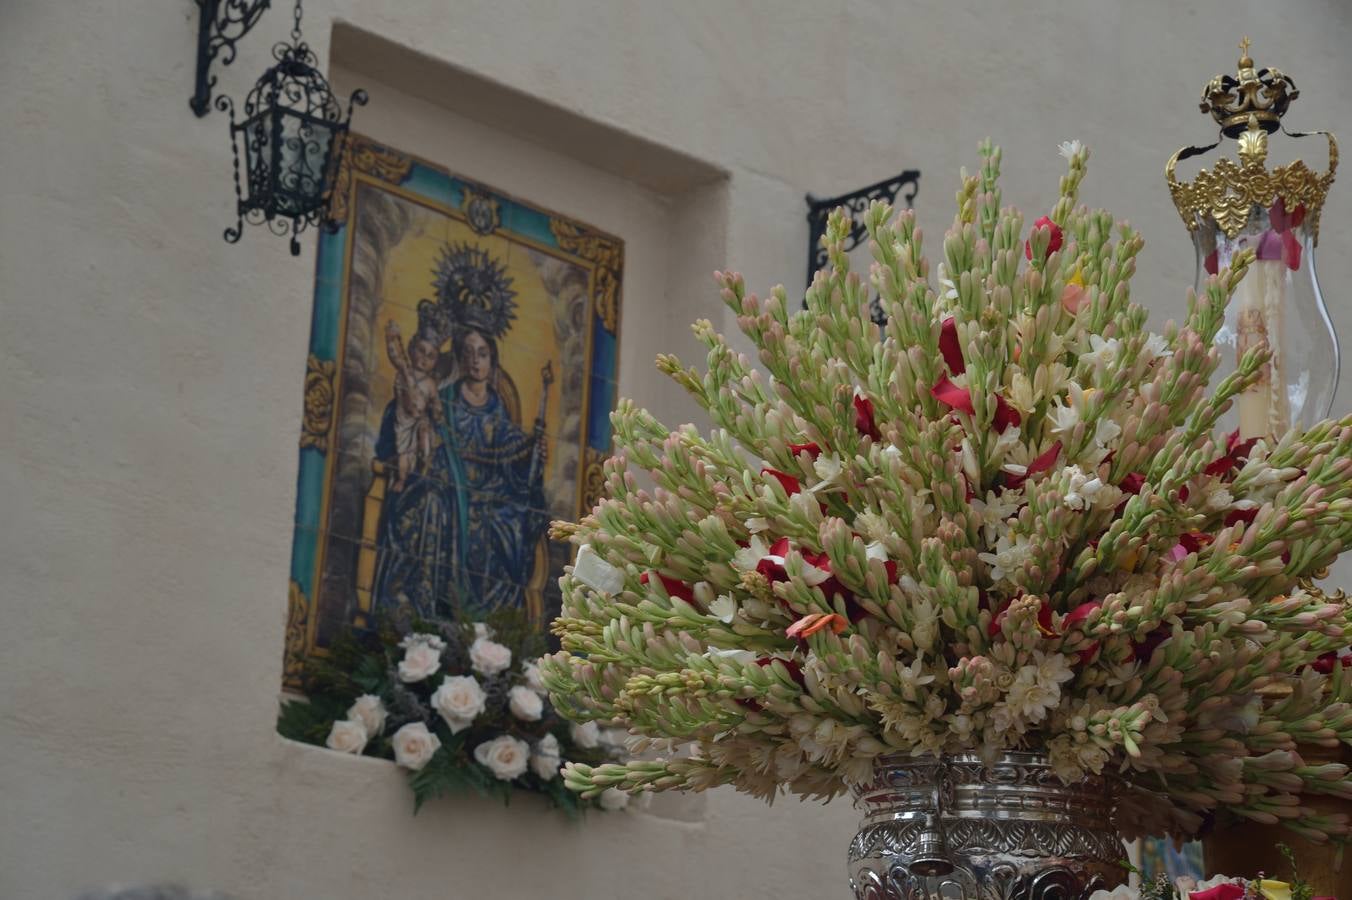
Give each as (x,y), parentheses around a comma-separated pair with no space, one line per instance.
(956,829)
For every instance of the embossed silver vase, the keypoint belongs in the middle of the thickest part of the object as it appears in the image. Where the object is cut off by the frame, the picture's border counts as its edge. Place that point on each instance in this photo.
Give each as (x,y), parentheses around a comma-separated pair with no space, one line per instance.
(954,828)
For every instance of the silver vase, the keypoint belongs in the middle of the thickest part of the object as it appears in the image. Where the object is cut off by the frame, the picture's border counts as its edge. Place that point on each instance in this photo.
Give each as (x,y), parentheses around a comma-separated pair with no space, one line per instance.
(954,828)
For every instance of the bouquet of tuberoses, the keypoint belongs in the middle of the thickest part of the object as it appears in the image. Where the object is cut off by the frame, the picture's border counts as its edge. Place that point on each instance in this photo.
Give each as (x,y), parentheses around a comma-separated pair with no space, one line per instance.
(458,705)
(1003,520)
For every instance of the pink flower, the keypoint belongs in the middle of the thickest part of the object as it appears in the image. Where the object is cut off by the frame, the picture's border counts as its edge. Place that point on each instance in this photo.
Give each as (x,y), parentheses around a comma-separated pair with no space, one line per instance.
(1072,297)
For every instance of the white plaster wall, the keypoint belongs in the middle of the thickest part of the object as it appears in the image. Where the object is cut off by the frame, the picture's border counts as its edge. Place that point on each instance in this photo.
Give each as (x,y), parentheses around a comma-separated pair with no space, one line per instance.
(150,382)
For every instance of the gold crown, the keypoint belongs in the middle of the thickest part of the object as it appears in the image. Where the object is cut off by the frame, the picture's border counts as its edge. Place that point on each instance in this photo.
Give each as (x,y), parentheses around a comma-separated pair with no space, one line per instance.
(1249,106)
(1263,95)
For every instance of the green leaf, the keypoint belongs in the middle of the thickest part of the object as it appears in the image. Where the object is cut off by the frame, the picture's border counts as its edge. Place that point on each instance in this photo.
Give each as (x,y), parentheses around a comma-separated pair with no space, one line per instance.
(309,721)
(439,777)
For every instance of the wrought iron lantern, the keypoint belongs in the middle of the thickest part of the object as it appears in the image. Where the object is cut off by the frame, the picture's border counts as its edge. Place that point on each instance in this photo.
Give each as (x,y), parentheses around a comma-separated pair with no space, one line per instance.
(292,135)
(1274,212)
(856,203)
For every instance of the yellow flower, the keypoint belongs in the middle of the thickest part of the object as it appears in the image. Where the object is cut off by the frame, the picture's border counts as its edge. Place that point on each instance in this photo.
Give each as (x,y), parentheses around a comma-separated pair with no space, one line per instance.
(1275,890)
(1072,295)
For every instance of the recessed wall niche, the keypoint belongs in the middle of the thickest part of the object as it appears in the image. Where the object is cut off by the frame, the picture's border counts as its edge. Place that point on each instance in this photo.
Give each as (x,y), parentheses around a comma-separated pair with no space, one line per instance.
(509,157)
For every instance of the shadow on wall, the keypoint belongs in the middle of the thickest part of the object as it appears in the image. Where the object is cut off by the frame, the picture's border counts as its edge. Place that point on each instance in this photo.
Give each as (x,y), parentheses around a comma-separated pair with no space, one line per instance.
(161,892)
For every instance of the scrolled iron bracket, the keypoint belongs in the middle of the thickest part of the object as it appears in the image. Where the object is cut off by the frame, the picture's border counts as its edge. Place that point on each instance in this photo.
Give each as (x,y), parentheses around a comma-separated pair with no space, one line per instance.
(221,24)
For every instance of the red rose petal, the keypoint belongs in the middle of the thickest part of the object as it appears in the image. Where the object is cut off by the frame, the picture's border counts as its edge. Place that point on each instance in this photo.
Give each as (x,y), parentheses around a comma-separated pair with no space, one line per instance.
(1277,216)
(1290,250)
(1225,891)
(998,619)
(1143,650)
(790,484)
(952,396)
(1080,613)
(1194,541)
(1211,265)
(674,587)
(1053,244)
(780,547)
(1005,415)
(1236,451)
(1044,621)
(1241,515)
(810,448)
(773,571)
(863,418)
(950,348)
(1044,462)
(1132,483)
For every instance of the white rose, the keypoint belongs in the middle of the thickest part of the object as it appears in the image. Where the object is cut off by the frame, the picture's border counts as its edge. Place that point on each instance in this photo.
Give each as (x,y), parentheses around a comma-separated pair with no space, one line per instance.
(459,699)
(420,660)
(525,704)
(534,680)
(347,736)
(614,799)
(1121,892)
(481,630)
(586,735)
(488,657)
(369,711)
(418,637)
(414,746)
(505,756)
(546,762)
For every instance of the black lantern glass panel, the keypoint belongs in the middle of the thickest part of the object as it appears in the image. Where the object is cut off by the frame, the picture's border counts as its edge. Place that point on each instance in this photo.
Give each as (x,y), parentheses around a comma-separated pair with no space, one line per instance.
(292,133)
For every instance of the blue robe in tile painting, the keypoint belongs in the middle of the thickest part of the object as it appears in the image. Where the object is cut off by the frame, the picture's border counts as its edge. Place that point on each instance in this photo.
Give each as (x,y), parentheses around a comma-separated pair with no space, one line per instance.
(506,500)
(460,538)
(421,536)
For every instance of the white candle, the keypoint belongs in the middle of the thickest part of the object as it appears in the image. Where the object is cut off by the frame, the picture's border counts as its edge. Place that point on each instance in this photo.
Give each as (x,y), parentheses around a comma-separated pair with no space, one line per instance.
(1264,410)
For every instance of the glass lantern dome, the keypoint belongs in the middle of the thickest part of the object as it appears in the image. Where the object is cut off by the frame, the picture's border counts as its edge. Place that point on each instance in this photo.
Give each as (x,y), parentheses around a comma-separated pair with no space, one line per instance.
(1278,307)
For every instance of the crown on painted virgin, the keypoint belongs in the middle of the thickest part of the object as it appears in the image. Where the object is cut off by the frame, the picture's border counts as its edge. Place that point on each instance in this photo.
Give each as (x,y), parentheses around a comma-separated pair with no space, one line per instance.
(474,291)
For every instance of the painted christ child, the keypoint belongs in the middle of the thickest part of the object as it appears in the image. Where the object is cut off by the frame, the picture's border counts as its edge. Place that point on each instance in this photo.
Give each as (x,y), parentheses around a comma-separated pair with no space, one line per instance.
(417,404)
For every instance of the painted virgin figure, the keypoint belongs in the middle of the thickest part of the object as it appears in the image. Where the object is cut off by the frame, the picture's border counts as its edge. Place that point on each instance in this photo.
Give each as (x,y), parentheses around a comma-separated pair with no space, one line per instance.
(463,514)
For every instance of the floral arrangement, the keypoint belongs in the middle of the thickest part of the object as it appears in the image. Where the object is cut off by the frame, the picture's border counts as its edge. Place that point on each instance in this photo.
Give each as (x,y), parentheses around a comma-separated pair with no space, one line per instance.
(1219,887)
(1001,521)
(458,705)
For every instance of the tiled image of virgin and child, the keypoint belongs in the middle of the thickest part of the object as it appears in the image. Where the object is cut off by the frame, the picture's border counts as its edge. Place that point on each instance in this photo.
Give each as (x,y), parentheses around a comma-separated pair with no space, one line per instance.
(465,507)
